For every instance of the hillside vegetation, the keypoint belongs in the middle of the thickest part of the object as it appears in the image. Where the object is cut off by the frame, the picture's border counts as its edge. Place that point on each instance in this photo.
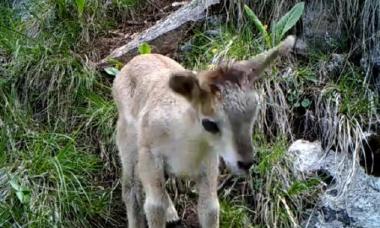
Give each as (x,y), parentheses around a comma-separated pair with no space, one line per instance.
(58,160)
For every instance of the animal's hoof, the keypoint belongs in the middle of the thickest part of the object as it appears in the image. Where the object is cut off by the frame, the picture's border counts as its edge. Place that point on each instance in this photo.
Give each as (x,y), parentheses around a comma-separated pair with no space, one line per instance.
(175,224)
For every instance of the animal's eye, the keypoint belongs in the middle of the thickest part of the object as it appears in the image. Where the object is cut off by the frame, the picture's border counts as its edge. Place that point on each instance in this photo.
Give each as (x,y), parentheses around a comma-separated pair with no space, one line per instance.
(210,126)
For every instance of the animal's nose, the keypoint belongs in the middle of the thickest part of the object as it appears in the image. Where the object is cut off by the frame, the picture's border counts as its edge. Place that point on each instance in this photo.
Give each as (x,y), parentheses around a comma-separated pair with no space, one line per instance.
(245,165)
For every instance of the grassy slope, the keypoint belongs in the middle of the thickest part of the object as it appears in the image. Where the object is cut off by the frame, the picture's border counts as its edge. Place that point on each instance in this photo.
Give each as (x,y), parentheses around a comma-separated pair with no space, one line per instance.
(58,164)
(56,116)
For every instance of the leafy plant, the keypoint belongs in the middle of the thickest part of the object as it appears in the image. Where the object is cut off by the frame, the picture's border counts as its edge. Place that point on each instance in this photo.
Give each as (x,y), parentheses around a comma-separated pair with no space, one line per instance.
(111,71)
(289,20)
(280,28)
(145,48)
(22,192)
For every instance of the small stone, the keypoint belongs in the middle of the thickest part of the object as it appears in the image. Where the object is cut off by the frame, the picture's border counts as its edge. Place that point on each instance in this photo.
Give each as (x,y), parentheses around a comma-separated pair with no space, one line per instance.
(213,32)
(329,214)
(332,192)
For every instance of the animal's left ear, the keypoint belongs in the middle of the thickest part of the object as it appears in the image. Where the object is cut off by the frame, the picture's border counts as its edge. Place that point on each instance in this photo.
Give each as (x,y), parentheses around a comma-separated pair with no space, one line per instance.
(186,84)
(255,67)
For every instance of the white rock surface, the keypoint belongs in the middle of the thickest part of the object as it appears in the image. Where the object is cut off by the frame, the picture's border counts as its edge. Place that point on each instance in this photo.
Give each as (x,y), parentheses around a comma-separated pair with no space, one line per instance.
(351,200)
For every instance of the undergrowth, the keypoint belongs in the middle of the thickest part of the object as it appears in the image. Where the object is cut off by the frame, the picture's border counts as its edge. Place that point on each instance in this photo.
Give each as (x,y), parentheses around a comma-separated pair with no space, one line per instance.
(58,163)
(304,99)
(57,157)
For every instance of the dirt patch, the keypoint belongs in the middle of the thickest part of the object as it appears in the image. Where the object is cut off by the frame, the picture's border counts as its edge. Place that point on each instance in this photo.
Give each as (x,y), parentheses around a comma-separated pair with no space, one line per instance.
(142,19)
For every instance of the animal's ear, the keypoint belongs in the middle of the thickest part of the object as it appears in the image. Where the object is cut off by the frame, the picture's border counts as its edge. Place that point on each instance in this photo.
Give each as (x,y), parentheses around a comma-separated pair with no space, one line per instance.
(257,65)
(186,84)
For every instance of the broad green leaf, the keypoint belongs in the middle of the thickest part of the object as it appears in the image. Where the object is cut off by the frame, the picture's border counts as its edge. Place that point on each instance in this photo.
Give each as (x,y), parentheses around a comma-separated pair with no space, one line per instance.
(145,48)
(15,185)
(111,71)
(24,197)
(288,21)
(80,6)
(252,16)
(22,193)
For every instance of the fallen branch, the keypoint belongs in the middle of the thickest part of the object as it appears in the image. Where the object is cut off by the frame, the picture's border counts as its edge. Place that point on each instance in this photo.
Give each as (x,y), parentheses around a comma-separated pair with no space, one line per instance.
(165,35)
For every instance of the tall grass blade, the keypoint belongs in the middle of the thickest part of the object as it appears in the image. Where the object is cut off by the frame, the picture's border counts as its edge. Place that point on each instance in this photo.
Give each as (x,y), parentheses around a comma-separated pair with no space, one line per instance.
(259,25)
(80,6)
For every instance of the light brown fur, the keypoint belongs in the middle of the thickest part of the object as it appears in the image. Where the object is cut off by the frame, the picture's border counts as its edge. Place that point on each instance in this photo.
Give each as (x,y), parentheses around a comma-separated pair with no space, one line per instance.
(162,108)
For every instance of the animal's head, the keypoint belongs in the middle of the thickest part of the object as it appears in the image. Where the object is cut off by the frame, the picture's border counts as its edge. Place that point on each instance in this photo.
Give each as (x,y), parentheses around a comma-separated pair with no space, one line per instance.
(227,104)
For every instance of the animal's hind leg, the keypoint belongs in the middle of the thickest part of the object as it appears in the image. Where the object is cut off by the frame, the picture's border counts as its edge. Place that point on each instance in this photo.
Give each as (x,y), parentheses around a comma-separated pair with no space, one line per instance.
(131,185)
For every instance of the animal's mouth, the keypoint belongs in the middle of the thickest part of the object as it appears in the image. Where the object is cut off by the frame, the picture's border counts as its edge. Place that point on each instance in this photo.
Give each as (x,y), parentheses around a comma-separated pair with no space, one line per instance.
(234,169)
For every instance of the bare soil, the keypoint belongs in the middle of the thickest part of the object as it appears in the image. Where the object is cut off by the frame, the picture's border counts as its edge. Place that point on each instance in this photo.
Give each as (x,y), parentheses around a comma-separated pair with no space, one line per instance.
(127,30)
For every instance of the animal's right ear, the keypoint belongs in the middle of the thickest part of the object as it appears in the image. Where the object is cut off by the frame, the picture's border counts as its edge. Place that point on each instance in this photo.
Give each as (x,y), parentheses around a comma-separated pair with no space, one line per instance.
(186,84)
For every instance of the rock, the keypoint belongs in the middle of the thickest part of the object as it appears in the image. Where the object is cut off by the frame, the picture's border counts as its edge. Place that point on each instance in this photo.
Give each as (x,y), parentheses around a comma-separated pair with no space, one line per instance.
(213,32)
(166,34)
(306,156)
(321,29)
(335,64)
(22,9)
(351,200)
(332,68)
(301,48)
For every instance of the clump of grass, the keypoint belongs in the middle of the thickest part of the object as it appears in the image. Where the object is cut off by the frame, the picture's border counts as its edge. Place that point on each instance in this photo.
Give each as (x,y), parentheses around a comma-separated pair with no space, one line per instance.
(51,184)
(56,116)
(281,198)
(206,51)
(234,215)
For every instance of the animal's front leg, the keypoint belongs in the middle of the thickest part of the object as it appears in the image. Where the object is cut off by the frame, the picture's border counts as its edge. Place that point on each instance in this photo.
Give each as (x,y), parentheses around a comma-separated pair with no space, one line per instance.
(152,177)
(208,203)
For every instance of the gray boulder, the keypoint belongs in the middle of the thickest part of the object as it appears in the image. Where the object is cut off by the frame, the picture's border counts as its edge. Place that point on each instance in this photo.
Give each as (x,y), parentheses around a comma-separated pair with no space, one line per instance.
(352,199)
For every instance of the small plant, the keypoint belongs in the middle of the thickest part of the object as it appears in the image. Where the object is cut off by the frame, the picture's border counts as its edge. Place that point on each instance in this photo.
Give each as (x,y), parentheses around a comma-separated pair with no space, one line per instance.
(23,193)
(145,48)
(279,28)
(111,71)
(300,87)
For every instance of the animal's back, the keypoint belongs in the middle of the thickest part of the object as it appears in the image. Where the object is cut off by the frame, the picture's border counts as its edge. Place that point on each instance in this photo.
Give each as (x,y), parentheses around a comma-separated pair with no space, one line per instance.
(142,81)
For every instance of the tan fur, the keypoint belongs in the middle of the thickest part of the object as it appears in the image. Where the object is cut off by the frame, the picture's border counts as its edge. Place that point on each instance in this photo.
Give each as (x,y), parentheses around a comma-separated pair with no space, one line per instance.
(161,108)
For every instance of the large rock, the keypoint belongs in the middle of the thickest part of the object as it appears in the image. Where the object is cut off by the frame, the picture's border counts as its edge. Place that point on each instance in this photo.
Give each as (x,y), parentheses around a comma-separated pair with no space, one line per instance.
(321,29)
(352,199)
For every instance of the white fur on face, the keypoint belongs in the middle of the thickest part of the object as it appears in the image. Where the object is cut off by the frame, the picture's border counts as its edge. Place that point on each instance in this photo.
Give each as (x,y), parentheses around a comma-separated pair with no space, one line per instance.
(226,148)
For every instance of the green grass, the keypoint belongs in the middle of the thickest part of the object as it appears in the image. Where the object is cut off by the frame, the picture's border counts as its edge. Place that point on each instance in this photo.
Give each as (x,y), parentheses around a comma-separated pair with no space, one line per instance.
(281,197)
(228,45)
(234,215)
(58,162)
(56,116)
